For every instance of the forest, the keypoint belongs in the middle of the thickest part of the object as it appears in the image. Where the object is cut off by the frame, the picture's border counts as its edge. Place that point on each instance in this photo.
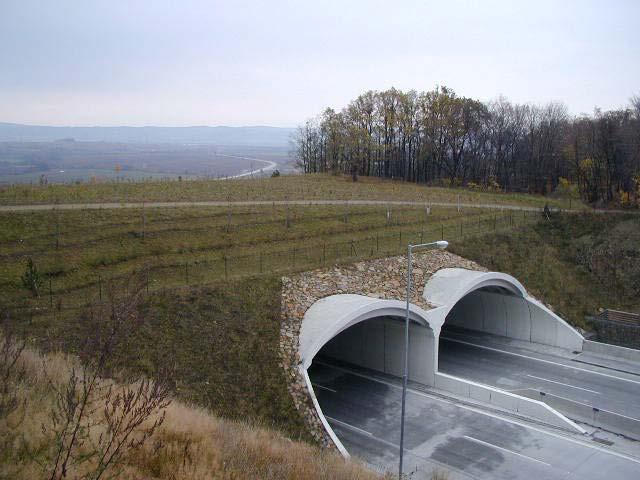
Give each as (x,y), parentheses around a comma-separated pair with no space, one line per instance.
(441,138)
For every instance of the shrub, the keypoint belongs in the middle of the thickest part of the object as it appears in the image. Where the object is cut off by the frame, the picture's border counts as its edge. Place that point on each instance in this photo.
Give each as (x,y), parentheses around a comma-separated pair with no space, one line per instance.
(32,279)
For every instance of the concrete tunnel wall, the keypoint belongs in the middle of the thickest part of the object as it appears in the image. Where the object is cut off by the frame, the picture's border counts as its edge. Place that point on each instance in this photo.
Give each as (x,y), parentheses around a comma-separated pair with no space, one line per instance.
(378,344)
(498,304)
(511,316)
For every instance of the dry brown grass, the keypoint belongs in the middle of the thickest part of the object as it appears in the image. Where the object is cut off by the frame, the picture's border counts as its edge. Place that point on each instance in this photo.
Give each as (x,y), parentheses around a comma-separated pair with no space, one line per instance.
(190,444)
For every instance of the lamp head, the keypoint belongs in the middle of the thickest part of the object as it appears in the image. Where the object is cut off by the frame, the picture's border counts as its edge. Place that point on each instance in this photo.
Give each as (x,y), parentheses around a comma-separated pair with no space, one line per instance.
(442,244)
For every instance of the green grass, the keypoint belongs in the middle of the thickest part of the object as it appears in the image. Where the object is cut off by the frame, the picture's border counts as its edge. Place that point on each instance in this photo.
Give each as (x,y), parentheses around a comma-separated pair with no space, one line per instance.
(219,345)
(295,187)
(76,251)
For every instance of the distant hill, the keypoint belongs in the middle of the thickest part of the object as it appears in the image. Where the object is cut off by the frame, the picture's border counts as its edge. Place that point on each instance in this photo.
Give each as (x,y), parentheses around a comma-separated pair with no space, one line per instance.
(237,136)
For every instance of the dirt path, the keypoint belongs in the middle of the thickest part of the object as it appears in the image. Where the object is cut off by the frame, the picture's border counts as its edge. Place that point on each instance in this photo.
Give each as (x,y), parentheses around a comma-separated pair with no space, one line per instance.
(214,203)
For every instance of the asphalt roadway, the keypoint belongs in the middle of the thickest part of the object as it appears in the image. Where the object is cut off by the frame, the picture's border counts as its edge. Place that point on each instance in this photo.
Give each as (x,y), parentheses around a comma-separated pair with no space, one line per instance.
(466,442)
(512,368)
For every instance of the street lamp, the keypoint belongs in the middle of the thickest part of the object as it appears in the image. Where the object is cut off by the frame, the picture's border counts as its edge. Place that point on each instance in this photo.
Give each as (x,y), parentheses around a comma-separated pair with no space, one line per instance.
(441,244)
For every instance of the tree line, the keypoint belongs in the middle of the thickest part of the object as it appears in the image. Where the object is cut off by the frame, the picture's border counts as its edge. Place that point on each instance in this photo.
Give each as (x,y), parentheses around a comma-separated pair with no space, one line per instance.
(440,138)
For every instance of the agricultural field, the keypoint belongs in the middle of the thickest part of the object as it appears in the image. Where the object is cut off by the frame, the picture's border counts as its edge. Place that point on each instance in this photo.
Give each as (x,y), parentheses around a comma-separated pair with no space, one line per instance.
(286,187)
(76,252)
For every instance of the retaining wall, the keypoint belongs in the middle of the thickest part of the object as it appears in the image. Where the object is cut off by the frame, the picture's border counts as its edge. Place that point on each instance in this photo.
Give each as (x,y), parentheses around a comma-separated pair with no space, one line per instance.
(581,412)
(612,350)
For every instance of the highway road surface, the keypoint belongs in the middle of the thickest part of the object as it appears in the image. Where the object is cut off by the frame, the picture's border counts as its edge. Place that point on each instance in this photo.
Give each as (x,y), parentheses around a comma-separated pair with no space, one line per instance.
(466,442)
(509,368)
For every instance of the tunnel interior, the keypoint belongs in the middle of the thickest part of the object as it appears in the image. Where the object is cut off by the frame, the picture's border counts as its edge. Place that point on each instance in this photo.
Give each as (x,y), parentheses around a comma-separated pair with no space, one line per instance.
(491,310)
(495,311)
(377,345)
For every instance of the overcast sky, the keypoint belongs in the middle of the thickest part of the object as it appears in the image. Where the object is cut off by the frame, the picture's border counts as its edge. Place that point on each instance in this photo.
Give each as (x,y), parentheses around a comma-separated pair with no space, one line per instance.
(191,62)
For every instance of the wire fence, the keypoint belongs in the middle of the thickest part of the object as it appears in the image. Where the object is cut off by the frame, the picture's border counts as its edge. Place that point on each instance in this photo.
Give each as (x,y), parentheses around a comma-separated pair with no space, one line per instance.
(147,224)
(227,267)
(616,333)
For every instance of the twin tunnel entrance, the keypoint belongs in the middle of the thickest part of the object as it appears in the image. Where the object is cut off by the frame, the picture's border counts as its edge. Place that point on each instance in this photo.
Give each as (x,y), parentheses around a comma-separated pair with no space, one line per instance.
(377,344)
(366,335)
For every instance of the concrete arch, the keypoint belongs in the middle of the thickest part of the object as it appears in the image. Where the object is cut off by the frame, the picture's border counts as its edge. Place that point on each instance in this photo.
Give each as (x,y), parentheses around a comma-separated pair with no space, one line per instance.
(496,303)
(331,315)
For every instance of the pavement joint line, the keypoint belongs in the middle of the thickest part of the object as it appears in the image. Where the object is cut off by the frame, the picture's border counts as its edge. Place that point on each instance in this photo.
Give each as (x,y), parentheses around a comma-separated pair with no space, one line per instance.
(541,360)
(345,424)
(491,445)
(577,360)
(565,384)
(324,388)
(566,437)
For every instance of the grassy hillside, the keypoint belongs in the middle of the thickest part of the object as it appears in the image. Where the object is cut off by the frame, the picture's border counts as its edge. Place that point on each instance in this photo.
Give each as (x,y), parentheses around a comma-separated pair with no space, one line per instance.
(575,263)
(190,444)
(218,344)
(295,187)
(76,252)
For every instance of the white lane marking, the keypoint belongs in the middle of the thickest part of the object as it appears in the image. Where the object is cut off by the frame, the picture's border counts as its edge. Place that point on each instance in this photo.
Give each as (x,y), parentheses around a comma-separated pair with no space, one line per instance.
(496,447)
(496,417)
(541,360)
(565,384)
(323,387)
(345,424)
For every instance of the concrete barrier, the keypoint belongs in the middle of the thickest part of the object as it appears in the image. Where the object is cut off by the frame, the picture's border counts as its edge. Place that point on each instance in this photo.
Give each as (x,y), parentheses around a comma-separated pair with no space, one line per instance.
(581,412)
(522,405)
(611,350)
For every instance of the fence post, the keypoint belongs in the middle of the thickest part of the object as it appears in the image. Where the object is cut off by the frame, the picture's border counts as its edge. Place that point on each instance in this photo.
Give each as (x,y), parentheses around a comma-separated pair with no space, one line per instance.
(353,249)
(324,253)
(260,262)
(461,235)
(50,294)
(226,268)
(442,230)
(57,231)
(377,243)
(100,287)
(186,271)
(400,239)
(294,257)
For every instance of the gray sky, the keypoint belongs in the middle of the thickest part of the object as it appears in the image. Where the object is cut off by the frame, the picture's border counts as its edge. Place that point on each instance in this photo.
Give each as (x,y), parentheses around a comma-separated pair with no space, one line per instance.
(192,62)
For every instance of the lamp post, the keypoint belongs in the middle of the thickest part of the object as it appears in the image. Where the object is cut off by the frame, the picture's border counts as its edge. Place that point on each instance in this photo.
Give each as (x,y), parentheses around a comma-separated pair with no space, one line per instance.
(441,244)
